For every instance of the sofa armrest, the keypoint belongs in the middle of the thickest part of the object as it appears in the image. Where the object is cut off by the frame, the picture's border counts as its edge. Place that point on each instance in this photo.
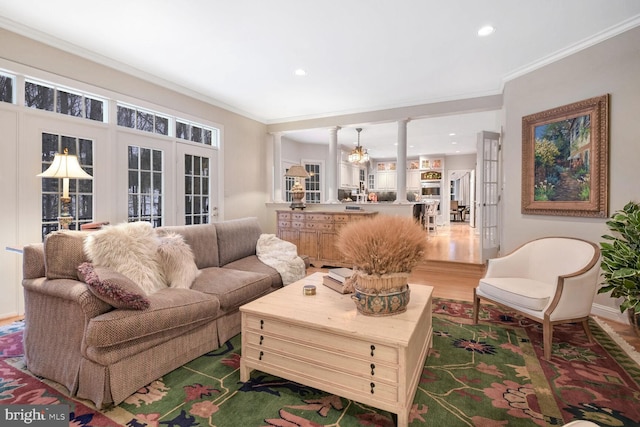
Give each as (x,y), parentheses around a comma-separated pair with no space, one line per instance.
(67,291)
(33,261)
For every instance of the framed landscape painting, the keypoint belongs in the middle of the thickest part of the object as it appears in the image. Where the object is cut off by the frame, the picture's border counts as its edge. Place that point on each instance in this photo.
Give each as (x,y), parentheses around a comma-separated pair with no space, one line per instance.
(565,160)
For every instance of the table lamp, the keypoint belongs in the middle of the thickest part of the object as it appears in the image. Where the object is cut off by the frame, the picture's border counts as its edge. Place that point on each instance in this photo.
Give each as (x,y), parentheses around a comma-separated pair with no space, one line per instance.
(297,191)
(65,166)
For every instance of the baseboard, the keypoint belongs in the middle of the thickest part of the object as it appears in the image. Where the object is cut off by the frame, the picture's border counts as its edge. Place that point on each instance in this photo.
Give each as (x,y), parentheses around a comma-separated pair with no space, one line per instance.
(610,313)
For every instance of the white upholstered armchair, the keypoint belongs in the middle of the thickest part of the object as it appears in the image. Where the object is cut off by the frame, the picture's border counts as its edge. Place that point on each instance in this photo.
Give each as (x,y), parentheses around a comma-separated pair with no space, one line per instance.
(549,280)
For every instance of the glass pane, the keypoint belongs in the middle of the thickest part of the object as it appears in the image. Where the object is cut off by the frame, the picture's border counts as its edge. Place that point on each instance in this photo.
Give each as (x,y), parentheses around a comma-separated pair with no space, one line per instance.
(144,121)
(69,143)
(49,207)
(157,160)
(85,185)
(188,164)
(85,156)
(205,186)
(36,96)
(49,148)
(145,159)
(182,130)
(69,104)
(196,204)
(196,165)
(207,137)
(134,156)
(94,109)
(157,206)
(85,207)
(6,89)
(145,182)
(188,185)
(196,134)
(157,183)
(205,166)
(162,125)
(188,204)
(196,185)
(133,206)
(126,117)
(134,186)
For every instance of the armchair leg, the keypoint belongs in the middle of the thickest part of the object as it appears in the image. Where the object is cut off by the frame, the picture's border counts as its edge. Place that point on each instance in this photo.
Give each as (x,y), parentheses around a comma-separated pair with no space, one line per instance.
(547,338)
(476,307)
(587,330)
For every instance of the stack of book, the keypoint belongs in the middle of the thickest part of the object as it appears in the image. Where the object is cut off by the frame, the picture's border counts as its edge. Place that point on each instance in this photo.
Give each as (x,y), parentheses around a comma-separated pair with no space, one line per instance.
(336,277)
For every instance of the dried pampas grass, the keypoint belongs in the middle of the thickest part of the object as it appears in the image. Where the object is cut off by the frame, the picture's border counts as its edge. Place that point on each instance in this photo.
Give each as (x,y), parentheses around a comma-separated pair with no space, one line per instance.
(383,244)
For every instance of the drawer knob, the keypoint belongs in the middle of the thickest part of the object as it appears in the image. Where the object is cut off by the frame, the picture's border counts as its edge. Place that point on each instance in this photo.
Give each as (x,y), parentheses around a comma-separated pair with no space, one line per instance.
(262,324)
(261,338)
(373,347)
(262,354)
(372,387)
(373,367)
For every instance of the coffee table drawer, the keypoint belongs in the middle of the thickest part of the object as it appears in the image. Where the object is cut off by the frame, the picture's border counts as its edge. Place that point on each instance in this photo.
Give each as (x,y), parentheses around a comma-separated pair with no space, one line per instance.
(314,375)
(323,340)
(335,360)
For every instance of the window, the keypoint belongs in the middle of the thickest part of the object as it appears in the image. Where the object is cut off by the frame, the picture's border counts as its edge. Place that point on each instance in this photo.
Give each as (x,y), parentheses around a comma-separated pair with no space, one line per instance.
(7,83)
(312,184)
(196,189)
(80,190)
(76,104)
(145,185)
(196,133)
(146,121)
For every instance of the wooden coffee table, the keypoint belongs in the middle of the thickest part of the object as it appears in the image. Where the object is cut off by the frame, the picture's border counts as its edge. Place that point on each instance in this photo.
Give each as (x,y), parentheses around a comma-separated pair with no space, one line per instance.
(323,342)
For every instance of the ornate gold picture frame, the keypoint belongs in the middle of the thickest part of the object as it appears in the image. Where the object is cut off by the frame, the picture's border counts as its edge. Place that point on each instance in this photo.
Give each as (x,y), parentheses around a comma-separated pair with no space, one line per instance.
(565,155)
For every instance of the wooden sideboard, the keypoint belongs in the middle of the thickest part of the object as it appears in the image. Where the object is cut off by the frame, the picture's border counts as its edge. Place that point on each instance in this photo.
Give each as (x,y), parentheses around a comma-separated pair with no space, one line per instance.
(315,233)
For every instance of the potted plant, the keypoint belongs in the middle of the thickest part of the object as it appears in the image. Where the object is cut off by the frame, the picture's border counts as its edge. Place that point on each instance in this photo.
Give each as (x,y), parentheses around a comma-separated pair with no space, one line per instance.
(382,250)
(621,261)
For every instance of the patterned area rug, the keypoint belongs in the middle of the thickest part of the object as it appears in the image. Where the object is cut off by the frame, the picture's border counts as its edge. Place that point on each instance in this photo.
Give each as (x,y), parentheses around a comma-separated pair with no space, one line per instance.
(486,375)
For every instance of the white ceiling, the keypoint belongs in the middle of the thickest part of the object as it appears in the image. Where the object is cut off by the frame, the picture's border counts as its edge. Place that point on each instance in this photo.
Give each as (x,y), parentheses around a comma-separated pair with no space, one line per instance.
(359,55)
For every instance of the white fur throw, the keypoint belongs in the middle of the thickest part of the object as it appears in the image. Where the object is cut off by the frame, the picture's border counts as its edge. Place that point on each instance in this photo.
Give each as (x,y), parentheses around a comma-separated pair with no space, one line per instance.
(281,255)
(130,249)
(177,261)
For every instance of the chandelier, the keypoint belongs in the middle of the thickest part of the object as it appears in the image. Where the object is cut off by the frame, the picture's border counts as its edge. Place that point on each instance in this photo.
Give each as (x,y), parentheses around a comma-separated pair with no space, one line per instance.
(359,154)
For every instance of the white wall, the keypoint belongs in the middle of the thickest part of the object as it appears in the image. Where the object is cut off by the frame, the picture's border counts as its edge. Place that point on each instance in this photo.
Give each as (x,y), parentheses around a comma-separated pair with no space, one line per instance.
(612,67)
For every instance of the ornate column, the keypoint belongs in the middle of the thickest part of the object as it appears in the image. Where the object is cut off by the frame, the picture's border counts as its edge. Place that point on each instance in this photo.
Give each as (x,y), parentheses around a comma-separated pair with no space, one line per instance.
(401,165)
(332,166)
(277,167)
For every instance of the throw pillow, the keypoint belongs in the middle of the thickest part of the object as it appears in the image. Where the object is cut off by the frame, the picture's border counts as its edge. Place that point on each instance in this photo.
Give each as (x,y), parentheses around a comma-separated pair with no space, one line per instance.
(112,287)
(129,249)
(177,261)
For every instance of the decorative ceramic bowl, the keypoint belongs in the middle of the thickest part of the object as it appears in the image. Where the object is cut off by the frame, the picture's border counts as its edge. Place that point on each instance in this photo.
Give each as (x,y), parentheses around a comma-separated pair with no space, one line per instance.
(371,302)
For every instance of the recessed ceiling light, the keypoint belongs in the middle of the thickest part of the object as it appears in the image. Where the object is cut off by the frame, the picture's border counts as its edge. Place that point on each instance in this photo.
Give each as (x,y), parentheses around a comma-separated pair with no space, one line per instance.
(452,134)
(454,142)
(300,72)
(486,30)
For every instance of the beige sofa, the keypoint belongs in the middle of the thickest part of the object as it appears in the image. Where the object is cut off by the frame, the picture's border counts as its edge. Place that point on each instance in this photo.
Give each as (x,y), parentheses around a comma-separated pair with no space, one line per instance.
(104,354)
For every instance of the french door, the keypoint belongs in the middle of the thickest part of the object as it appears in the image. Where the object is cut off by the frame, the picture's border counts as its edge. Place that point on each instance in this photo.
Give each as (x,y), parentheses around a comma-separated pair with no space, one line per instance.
(197,184)
(488,177)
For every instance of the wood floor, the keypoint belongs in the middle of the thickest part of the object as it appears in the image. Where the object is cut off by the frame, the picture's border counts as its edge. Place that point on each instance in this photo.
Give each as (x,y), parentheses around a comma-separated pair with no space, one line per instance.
(453,269)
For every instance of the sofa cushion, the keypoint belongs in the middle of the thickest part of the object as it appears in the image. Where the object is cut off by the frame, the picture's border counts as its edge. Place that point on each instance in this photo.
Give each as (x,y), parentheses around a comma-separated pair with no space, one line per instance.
(252,263)
(63,254)
(130,249)
(202,239)
(112,287)
(232,287)
(169,309)
(237,239)
(518,292)
(176,260)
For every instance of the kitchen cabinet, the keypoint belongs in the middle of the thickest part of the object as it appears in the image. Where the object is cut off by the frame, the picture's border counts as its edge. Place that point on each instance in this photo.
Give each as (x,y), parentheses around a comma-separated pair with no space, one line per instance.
(349,175)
